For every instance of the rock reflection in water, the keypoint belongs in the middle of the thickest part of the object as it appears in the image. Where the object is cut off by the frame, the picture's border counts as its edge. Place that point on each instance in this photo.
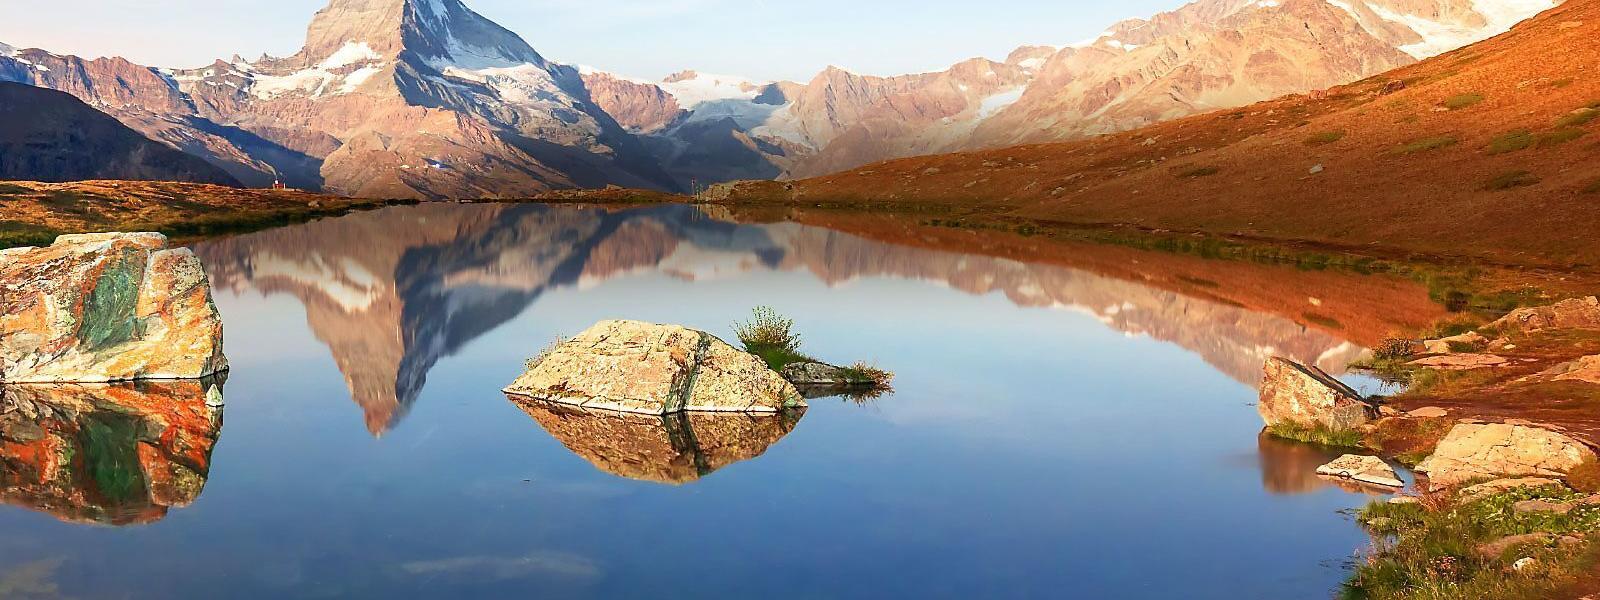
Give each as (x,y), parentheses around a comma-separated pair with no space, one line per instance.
(1290,467)
(676,449)
(114,454)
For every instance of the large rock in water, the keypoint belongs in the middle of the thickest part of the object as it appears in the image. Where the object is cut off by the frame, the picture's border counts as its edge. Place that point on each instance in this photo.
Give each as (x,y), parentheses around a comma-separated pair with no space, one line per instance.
(1302,395)
(638,367)
(1488,450)
(106,307)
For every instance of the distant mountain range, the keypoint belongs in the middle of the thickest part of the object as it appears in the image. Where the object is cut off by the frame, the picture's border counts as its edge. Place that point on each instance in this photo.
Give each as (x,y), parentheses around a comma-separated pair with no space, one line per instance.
(428,99)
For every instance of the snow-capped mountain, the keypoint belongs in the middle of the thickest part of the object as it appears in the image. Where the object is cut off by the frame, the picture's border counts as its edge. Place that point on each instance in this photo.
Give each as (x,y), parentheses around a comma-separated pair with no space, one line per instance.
(393,98)
(1207,55)
(428,99)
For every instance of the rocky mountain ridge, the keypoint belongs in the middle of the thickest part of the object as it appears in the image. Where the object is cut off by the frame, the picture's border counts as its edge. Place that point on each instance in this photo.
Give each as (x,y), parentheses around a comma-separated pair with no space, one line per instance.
(428,99)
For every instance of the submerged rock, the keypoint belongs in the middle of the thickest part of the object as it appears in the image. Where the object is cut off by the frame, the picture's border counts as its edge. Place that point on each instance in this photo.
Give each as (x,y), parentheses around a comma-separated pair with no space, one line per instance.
(1483,450)
(676,448)
(637,367)
(112,454)
(1364,469)
(814,373)
(1305,396)
(1577,313)
(106,307)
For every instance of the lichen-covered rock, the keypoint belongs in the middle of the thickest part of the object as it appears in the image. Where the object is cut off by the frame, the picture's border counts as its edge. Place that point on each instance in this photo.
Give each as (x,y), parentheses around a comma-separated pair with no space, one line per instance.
(1577,313)
(113,454)
(1364,469)
(637,367)
(813,373)
(1302,395)
(106,307)
(1484,450)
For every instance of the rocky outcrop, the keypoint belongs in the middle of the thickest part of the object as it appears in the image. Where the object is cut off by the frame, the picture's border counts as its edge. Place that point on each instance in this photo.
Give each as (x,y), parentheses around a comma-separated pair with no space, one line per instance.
(677,448)
(1461,362)
(1498,486)
(629,366)
(1577,313)
(1484,450)
(1586,369)
(1306,396)
(1369,470)
(113,454)
(814,373)
(106,307)
(1449,345)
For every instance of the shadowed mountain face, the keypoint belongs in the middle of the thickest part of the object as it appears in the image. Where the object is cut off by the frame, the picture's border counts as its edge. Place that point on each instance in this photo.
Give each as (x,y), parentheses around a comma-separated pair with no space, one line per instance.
(113,454)
(676,449)
(47,135)
(393,291)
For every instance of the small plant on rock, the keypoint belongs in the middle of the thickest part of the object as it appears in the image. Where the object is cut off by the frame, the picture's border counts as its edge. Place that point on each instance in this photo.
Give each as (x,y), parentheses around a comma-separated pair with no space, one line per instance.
(770,336)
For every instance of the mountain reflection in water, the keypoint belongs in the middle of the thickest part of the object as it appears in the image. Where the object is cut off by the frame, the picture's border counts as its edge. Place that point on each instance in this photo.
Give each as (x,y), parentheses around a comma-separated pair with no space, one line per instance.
(392,291)
(676,448)
(113,454)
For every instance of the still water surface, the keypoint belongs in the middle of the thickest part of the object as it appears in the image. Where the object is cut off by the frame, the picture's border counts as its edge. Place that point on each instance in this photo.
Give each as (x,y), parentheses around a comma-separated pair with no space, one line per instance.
(1054,432)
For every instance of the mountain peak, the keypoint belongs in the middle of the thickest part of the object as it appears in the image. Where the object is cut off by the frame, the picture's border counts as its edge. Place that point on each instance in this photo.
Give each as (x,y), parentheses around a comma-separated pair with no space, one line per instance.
(438,32)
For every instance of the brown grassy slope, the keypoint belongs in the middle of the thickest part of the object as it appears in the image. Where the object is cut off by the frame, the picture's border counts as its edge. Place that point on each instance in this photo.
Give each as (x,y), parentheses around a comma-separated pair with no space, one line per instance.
(34,213)
(1250,171)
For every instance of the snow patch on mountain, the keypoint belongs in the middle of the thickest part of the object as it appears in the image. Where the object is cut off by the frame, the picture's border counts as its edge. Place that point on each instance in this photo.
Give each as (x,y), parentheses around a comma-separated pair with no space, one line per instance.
(349,54)
(998,102)
(1439,37)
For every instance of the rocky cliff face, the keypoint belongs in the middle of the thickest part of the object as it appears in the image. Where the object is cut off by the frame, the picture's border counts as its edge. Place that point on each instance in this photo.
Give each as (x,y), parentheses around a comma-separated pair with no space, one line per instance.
(47,135)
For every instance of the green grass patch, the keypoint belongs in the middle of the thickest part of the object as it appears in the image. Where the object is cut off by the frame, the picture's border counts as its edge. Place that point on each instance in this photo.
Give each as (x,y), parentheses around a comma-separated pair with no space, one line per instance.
(1511,180)
(868,375)
(1319,435)
(1563,82)
(1581,117)
(1198,172)
(1427,144)
(1592,188)
(1511,141)
(1559,137)
(1460,101)
(1436,549)
(771,336)
(1325,137)
(16,233)
(14,189)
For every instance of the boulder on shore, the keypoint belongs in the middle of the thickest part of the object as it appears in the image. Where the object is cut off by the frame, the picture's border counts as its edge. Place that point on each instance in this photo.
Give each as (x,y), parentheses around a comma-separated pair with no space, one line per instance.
(1485,450)
(1305,396)
(1576,313)
(106,307)
(636,367)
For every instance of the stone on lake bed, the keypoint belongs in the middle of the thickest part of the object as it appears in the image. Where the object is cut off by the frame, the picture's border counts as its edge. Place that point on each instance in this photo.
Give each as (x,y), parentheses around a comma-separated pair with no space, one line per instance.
(106,307)
(1365,469)
(636,367)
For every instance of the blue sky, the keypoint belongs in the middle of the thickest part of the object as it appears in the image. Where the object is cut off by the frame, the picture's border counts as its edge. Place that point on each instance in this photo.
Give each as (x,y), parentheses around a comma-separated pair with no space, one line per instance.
(643,38)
